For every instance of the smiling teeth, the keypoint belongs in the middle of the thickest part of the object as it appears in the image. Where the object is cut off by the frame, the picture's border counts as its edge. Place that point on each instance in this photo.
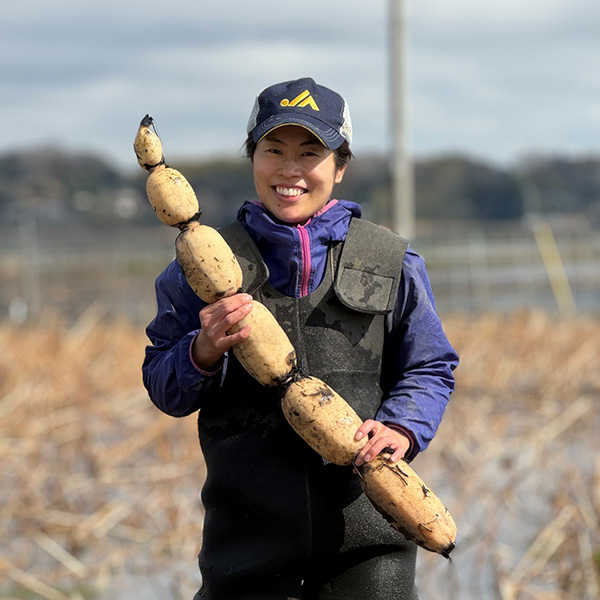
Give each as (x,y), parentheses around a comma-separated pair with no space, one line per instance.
(288,191)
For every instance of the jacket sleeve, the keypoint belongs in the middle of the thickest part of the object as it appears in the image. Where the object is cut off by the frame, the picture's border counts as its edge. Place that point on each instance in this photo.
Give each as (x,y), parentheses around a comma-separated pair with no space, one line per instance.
(175,384)
(418,360)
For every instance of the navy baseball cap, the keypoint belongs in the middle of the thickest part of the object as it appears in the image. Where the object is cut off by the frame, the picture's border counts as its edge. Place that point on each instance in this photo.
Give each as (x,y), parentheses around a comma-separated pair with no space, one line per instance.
(305,103)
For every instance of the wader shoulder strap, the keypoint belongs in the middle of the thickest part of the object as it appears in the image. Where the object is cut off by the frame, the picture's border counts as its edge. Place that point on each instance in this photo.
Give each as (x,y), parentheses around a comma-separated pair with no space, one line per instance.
(369,269)
(254,270)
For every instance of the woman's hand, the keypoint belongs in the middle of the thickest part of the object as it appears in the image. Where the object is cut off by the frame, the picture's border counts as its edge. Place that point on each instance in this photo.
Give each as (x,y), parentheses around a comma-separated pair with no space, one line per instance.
(380,436)
(216,319)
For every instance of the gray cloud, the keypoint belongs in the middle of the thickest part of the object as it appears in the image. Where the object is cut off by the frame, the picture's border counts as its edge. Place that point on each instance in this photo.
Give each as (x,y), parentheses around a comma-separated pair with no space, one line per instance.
(490,78)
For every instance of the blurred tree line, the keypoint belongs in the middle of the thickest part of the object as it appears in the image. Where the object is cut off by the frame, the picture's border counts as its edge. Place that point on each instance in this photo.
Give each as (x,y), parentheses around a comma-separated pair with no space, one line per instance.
(55,184)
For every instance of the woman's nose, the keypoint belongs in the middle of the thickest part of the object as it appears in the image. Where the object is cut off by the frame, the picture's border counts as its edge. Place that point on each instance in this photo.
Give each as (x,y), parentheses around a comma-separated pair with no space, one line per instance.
(290,168)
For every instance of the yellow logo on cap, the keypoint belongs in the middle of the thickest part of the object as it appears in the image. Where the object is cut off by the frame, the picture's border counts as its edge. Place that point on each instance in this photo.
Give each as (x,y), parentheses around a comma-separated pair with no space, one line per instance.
(302,100)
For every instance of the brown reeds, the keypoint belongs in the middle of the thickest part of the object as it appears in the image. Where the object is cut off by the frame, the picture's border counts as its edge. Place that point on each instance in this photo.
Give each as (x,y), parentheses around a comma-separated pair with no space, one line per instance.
(99,487)
(516,459)
(96,482)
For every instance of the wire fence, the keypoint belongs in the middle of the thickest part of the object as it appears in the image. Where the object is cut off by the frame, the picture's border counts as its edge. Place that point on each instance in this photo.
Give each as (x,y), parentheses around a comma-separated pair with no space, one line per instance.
(522,268)
(65,270)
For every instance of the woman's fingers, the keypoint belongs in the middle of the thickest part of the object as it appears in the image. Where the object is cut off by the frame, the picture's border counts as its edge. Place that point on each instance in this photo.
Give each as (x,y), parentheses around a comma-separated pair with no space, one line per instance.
(380,436)
(215,321)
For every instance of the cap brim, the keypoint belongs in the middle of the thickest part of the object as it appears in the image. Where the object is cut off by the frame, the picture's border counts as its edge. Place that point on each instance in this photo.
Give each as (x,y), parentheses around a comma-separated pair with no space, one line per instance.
(329,137)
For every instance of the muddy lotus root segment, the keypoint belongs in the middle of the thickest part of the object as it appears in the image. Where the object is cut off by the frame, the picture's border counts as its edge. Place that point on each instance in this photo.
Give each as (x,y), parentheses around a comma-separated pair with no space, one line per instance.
(410,507)
(315,411)
(323,419)
(209,265)
(267,353)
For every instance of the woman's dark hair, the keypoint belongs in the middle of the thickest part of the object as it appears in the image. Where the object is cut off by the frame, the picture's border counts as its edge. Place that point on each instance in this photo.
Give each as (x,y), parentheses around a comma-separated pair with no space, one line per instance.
(343,154)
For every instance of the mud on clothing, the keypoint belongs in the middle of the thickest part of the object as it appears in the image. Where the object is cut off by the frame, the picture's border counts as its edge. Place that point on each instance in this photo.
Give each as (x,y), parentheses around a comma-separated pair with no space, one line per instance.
(275,513)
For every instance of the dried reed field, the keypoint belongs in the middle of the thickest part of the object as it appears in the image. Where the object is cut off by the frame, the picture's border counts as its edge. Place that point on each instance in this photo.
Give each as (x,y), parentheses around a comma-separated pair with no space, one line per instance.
(100,489)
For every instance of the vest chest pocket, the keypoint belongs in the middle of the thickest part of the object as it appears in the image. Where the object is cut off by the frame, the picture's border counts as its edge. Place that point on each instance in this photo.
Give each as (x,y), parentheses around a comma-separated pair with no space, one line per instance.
(342,338)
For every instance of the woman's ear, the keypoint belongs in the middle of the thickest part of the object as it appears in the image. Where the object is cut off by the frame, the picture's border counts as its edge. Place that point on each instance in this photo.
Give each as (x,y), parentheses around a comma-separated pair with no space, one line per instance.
(339,174)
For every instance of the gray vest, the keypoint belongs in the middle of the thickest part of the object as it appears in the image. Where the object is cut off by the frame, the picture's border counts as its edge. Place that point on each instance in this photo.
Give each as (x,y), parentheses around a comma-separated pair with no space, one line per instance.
(338,330)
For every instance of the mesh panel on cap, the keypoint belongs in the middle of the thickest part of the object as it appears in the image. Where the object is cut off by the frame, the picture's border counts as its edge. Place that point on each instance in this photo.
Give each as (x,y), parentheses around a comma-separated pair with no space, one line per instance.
(253,115)
(346,128)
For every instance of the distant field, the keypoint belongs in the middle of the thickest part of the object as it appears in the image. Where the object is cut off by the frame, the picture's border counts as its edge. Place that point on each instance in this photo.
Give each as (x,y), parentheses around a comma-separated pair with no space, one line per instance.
(99,489)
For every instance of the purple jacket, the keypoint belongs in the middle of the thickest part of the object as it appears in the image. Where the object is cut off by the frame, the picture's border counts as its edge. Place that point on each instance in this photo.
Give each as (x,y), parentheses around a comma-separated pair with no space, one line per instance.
(418,361)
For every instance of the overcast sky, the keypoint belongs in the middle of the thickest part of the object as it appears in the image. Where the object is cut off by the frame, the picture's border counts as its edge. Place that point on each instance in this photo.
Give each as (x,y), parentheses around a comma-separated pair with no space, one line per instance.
(495,79)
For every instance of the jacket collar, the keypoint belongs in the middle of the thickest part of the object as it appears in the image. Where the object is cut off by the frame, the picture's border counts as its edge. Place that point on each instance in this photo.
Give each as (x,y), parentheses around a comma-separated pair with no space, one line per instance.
(328,225)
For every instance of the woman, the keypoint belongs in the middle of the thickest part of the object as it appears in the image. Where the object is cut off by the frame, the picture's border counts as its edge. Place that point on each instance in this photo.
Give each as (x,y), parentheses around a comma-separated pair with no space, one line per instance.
(280,523)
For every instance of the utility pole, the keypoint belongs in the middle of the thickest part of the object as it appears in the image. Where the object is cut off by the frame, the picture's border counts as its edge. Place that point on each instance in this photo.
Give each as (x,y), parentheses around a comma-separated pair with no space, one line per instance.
(402,209)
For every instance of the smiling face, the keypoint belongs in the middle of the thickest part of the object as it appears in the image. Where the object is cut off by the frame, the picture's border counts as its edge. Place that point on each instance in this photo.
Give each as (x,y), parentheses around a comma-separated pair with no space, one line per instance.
(294,174)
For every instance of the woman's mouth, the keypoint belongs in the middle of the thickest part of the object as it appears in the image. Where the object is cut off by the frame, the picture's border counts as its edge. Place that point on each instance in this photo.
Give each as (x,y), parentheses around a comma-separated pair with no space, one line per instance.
(289,192)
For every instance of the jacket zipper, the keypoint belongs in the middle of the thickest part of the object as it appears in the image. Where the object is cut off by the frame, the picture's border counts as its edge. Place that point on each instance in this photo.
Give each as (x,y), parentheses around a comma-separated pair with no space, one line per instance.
(306,263)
